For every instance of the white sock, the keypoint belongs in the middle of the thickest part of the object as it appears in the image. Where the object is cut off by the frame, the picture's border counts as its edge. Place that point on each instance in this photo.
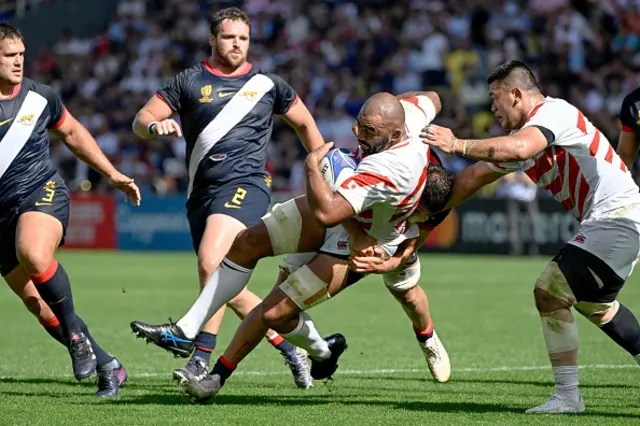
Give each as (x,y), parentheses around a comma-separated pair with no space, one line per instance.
(306,336)
(566,378)
(637,358)
(226,283)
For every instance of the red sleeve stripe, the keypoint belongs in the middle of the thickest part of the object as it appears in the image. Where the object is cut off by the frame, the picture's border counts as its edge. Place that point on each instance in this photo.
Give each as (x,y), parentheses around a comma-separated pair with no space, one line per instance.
(164,100)
(627,129)
(63,117)
(295,101)
(414,100)
(365,179)
(535,110)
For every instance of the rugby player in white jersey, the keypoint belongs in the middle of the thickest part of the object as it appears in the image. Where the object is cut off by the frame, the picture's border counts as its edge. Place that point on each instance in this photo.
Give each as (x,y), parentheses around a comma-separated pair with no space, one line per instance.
(381,195)
(560,150)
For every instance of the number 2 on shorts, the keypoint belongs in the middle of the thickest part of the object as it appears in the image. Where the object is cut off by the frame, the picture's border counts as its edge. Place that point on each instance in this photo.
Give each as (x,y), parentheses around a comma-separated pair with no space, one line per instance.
(236,201)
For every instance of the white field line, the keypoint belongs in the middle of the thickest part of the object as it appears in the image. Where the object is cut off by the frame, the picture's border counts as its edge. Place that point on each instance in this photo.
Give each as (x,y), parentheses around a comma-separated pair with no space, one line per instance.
(372,372)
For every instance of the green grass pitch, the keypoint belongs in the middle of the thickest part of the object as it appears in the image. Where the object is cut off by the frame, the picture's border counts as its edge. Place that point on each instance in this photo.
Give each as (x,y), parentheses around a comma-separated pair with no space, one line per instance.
(483,311)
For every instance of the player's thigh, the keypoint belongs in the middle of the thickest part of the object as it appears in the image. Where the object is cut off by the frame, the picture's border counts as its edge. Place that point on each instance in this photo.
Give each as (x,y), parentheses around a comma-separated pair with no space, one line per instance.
(401,282)
(220,232)
(41,225)
(292,227)
(576,277)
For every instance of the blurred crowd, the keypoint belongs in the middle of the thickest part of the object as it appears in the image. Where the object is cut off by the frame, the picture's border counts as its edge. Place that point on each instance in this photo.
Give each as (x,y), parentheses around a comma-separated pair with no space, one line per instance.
(336,53)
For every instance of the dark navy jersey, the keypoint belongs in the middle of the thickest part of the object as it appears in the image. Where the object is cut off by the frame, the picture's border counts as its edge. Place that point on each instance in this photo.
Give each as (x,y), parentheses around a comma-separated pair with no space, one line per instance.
(630,113)
(226,122)
(25,118)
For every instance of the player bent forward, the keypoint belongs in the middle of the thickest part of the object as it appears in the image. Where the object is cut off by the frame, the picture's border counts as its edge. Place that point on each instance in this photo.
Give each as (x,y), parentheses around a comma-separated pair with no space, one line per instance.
(560,150)
(308,279)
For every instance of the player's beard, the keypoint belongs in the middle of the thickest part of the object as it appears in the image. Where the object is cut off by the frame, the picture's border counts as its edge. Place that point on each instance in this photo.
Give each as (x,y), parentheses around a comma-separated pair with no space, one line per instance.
(226,60)
(376,146)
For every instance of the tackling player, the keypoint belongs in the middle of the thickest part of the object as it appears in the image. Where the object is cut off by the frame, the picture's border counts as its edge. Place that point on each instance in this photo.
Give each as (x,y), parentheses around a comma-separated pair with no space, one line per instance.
(34,206)
(382,194)
(560,150)
(226,108)
(629,140)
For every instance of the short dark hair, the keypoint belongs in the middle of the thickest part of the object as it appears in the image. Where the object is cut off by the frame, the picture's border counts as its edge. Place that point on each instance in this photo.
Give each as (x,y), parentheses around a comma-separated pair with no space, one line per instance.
(232,13)
(516,73)
(438,188)
(9,31)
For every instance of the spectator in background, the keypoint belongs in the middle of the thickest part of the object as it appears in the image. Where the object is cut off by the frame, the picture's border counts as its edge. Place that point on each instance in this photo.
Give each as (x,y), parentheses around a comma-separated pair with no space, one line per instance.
(337,53)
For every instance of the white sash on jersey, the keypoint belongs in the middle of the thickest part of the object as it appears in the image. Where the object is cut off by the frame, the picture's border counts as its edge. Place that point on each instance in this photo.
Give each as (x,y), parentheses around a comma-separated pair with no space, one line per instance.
(245,99)
(21,129)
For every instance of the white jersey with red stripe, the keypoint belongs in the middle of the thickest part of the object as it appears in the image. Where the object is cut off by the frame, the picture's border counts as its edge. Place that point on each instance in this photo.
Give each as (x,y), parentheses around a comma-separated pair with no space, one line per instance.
(579,167)
(386,187)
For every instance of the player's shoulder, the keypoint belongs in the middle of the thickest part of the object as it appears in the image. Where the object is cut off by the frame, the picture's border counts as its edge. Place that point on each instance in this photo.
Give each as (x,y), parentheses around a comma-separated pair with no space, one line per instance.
(550,104)
(275,78)
(632,97)
(37,87)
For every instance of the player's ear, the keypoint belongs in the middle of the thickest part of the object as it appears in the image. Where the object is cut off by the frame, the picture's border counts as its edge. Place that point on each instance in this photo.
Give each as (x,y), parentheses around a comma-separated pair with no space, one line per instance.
(212,40)
(396,134)
(517,95)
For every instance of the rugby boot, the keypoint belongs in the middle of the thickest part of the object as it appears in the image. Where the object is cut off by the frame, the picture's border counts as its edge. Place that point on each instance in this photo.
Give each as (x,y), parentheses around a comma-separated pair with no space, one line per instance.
(83,359)
(195,370)
(167,336)
(557,404)
(324,368)
(202,391)
(297,362)
(110,377)
(437,358)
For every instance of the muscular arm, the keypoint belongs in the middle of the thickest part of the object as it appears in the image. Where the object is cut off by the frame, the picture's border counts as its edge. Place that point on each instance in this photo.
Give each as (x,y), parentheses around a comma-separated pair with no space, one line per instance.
(468,181)
(155,110)
(84,146)
(522,145)
(628,146)
(300,119)
(329,208)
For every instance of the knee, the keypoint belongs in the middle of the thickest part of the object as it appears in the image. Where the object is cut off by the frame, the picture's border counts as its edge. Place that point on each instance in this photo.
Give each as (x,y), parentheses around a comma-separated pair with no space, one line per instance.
(408,297)
(598,313)
(272,316)
(206,267)
(546,303)
(34,262)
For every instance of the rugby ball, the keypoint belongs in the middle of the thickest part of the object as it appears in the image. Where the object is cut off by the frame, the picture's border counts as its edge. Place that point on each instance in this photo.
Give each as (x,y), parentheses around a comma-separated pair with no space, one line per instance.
(337,165)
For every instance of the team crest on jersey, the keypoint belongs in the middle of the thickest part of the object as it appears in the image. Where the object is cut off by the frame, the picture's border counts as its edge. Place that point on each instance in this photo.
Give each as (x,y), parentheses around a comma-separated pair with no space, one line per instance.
(206,91)
(25,120)
(638,111)
(249,94)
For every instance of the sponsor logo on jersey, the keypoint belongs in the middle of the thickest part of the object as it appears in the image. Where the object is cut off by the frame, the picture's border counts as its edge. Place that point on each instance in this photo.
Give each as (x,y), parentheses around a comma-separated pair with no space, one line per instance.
(206,91)
(342,245)
(26,119)
(249,94)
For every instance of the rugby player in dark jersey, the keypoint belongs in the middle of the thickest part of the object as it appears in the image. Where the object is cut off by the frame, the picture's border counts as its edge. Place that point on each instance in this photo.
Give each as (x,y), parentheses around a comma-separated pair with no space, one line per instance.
(34,208)
(226,108)
(629,140)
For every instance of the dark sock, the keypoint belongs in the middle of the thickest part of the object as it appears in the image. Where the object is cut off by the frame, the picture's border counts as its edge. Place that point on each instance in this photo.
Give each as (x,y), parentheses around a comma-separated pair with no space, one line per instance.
(224,368)
(54,329)
(102,357)
(424,335)
(205,344)
(624,330)
(282,345)
(55,289)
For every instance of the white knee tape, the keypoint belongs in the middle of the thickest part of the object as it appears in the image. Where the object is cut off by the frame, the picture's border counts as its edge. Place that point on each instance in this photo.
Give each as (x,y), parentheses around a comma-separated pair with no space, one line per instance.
(304,288)
(284,224)
(554,283)
(559,336)
(403,280)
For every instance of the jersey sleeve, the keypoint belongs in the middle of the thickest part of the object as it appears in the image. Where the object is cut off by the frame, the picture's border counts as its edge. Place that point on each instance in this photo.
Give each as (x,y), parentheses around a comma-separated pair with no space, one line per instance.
(173,91)
(551,119)
(286,96)
(419,112)
(630,115)
(55,106)
(368,185)
(505,167)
